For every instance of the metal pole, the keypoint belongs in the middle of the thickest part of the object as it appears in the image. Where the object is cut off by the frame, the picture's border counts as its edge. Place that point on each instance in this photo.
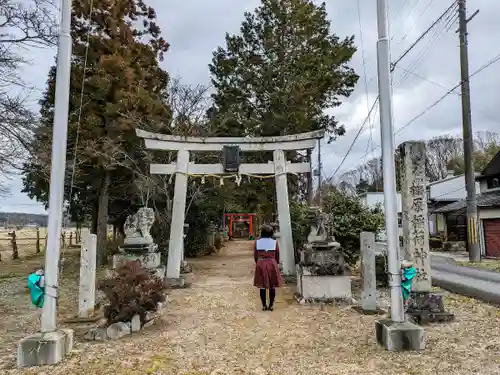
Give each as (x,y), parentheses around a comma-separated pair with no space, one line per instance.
(388,164)
(470,181)
(57,171)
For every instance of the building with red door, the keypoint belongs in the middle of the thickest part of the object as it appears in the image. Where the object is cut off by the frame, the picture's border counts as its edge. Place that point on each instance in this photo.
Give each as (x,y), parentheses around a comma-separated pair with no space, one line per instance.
(488,206)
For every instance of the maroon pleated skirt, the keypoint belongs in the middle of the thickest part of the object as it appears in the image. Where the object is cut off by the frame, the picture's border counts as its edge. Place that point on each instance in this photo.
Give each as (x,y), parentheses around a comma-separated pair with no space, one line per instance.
(267,274)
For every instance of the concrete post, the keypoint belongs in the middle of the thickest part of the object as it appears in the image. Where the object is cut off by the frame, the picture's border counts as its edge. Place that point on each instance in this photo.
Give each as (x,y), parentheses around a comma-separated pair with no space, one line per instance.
(86,296)
(51,345)
(175,253)
(415,216)
(286,251)
(369,294)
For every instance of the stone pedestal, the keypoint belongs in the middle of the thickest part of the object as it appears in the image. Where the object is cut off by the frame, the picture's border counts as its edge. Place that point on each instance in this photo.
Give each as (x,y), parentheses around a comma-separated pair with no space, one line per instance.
(322,271)
(321,275)
(428,307)
(43,349)
(147,254)
(399,336)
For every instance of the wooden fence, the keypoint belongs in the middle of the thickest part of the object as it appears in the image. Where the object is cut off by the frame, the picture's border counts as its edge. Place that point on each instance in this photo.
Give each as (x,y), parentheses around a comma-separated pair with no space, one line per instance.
(14,241)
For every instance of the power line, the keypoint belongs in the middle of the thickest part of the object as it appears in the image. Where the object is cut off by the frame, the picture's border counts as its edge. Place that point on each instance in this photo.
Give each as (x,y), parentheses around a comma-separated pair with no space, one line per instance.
(422,36)
(364,69)
(355,138)
(450,91)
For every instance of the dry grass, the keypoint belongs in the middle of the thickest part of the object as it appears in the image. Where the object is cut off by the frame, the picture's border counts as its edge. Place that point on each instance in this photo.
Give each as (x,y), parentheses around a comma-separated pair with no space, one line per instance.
(485,264)
(26,242)
(216,327)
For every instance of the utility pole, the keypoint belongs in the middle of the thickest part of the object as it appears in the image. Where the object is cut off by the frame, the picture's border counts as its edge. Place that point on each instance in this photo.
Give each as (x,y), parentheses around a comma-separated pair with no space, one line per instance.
(470,180)
(57,171)
(388,164)
(49,346)
(319,172)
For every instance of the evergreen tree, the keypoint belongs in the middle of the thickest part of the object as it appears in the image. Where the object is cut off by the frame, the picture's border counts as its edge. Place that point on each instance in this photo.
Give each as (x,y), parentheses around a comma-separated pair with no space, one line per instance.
(282,71)
(277,77)
(123,88)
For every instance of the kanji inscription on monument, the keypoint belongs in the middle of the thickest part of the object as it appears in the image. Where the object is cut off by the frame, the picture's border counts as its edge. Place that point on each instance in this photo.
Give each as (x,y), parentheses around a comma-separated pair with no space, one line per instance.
(415,215)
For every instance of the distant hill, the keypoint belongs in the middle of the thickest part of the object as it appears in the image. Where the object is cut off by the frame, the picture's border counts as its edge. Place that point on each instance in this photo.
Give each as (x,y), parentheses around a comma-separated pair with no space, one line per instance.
(10,219)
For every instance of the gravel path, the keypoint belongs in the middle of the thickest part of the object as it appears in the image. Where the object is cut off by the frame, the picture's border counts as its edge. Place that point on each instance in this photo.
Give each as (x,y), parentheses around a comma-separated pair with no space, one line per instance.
(216,327)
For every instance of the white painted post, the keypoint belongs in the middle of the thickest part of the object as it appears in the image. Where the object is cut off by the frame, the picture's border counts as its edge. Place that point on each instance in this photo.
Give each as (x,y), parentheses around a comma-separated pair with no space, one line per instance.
(369,294)
(57,170)
(286,251)
(175,248)
(86,296)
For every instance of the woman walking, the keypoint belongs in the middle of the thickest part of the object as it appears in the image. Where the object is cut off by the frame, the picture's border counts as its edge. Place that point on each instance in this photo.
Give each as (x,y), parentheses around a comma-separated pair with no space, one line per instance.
(267,273)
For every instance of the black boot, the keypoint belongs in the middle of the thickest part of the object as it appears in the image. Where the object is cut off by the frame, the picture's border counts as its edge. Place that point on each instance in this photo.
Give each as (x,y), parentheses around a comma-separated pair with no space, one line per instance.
(263,299)
(272,297)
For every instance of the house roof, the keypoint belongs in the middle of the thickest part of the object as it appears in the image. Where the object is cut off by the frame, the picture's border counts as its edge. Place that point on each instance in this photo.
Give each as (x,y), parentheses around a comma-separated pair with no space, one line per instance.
(485,200)
(448,178)
(493,167)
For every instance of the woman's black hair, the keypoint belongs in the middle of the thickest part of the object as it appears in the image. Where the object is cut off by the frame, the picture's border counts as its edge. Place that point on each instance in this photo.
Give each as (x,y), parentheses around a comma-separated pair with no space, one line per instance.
(266,231)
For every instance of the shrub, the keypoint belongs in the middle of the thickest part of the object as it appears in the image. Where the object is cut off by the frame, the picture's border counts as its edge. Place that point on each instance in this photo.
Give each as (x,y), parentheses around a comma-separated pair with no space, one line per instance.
(131,290)
(435,243)
(349,218)
(112,247)
(447,246)
(300,226)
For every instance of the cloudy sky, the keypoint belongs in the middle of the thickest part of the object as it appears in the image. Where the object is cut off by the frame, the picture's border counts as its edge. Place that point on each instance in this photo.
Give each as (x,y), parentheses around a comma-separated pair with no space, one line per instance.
(195,28)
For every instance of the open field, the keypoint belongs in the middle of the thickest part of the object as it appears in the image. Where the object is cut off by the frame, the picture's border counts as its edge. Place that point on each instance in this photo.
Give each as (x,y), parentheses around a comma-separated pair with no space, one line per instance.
(26,240)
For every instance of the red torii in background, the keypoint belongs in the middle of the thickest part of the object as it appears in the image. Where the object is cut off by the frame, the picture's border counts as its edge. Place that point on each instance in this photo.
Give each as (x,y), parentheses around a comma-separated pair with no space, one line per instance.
(240,217)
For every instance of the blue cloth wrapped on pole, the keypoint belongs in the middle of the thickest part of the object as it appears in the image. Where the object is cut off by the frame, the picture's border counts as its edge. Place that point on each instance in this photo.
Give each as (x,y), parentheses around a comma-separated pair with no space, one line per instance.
(36,288)
(408,274)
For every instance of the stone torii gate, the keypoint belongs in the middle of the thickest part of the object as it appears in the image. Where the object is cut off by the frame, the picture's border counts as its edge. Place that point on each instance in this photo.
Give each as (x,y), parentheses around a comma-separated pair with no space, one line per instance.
(183,168)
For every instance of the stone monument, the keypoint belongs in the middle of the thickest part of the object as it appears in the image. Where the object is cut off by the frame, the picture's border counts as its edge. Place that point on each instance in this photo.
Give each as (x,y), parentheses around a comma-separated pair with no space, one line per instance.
(138,243)
(423,304)
(322,274)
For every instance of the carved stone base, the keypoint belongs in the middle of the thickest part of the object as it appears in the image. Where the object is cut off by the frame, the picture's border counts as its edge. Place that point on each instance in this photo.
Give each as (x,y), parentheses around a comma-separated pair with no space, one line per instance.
(147,260)
(138,248)
(428,307)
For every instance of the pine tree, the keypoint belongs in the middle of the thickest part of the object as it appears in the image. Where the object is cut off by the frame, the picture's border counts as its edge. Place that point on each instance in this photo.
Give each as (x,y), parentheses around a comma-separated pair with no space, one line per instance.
(277,77)
(280,74)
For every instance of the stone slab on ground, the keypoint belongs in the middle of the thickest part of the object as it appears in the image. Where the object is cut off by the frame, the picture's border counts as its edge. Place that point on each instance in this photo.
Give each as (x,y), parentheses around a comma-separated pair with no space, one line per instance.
(428,307)
(43,349)
(96,334)
(399,336)
(118,330)
(326,287)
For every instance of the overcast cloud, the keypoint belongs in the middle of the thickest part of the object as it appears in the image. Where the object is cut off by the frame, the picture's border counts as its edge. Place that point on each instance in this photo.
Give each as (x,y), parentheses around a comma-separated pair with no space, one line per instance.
(195,28)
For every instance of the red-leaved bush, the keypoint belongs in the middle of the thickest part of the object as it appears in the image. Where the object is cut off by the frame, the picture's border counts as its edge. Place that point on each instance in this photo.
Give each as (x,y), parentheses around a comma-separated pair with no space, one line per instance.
(131,290)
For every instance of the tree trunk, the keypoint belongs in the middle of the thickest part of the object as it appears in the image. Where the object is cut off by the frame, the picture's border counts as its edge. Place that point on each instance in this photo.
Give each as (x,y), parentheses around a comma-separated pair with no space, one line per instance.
(102,219)
(93,224)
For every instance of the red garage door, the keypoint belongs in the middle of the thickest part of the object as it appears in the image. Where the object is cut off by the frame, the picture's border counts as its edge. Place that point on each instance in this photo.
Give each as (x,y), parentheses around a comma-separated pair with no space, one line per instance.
(492,237)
